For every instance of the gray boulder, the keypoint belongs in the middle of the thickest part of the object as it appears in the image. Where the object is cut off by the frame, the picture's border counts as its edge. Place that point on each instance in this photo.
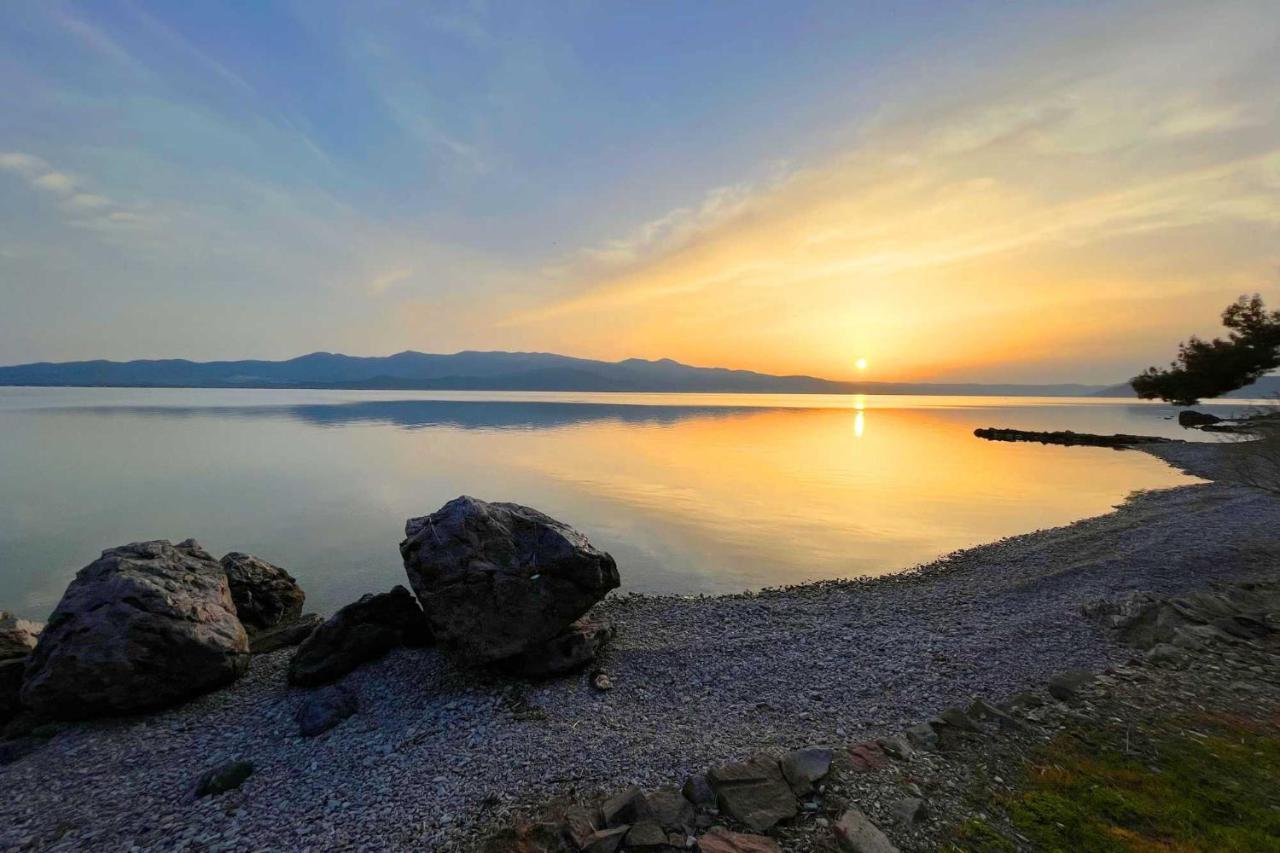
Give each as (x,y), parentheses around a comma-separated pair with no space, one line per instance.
(223,778)
(359,632)
(325,708)
(855,833)
(143,626)
(754,792)
(264,595)
(17,636)
(282,636)
(570,650)
(497,578)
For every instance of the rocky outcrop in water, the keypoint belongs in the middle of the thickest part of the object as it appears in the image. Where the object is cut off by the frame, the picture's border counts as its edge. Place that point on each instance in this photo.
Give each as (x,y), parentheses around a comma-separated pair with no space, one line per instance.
(143,626)
(1069,438)
(265,595)
(359,632)
(1192,418)
(496,579)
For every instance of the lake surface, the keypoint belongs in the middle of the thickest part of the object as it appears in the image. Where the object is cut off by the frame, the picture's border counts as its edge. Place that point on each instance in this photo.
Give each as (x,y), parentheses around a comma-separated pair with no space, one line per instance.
(704,493)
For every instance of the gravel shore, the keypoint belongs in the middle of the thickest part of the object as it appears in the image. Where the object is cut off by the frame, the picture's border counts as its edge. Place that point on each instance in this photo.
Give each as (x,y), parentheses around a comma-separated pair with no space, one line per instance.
(436,754)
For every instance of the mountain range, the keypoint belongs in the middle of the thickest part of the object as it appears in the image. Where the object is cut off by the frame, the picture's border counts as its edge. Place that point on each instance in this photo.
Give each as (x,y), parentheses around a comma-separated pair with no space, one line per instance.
(497,371)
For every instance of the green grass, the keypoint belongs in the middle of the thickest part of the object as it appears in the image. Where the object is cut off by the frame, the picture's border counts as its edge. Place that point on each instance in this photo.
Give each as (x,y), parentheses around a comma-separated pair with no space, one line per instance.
(1206,784)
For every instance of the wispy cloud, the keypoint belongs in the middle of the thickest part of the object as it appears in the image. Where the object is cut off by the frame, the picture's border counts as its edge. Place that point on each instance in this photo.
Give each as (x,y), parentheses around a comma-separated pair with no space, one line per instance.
(78,206)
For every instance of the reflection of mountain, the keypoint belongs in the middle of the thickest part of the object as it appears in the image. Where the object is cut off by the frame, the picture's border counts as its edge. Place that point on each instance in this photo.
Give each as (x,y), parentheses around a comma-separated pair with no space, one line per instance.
(471,371)
(415,414)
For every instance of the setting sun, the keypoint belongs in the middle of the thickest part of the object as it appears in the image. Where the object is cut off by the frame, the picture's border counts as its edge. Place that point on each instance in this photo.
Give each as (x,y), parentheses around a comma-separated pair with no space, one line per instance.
(861,364)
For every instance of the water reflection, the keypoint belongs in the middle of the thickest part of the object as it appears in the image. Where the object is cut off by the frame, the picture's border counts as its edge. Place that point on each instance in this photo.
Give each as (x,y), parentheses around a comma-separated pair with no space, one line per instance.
(712,496)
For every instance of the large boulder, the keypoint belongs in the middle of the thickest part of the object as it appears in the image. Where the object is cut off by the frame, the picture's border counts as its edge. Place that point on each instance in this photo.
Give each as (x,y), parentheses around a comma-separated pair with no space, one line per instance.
(17,636)
(264,595)
(143,626)
(359,632)
(497,578)
(10,687)
(570,650)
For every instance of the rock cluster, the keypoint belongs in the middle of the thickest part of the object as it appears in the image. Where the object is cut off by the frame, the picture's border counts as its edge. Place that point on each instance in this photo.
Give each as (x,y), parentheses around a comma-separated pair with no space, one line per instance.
(501,581)
(1227,613)
(17,636)
(143,626)
(1069,438)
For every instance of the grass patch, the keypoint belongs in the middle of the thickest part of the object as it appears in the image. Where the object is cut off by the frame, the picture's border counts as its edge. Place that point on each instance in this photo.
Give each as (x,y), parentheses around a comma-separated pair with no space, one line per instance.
(1208,783)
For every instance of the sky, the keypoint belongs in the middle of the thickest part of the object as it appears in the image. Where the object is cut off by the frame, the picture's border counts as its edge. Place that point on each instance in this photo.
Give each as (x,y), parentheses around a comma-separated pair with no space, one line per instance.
(953,191)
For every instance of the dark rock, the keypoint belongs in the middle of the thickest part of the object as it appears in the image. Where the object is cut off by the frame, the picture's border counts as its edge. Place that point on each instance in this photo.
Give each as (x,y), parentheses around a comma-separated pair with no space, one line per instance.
(909,811)
(982,711)
(359,632)
(803,767)
(645,834)
(754,792)
(570,650)
(697,790)
(957,719)
(17,636)
(896,746)
(671,810)
(283,636)
(265,595)
(497,578)
(868,757)
(626,807)
(1163,654)
(325,708)
(10,686)
(856,833)
(225,777)
(579,824)
(1192,418)
(1066,686)
(605,840)
(922,737)
(720,840)
(143,626)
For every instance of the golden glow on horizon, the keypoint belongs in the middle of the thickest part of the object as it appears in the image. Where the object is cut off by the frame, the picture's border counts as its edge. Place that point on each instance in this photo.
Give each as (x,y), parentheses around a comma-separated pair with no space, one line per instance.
(1070,218)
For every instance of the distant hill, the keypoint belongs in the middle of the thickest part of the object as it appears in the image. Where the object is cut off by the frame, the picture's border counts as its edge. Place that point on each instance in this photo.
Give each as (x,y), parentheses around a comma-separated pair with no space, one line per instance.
(1265,388)
(476,371)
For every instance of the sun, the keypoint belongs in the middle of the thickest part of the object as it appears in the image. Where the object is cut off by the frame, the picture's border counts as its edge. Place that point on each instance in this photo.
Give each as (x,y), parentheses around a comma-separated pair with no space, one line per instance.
(861,364)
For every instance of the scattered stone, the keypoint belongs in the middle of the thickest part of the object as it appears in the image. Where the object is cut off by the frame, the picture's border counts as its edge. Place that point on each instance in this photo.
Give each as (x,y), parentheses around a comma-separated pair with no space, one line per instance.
(1065,686)
(720,840)
(579,824)
(896,746)
(868,757)
(265,595)
(570,650)
(497,578)
(359,632)
(697,790)
(958,719)
(605,840)
(857,834)
(803,767)
(983,711)
(283,636)
(754,792)
(325,708)
(223,778)
(143,626)
(910,811)
(626,807)
(601,682)
(1163,654)
(671,810)
(17,636)
(923,737)
(646,834)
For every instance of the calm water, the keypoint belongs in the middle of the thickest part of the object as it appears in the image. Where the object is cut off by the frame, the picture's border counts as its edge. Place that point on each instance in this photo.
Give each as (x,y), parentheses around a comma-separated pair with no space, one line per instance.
(691,493)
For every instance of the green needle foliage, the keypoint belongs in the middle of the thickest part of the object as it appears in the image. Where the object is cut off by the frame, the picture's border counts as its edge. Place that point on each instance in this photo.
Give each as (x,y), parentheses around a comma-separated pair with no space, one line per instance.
(1212,368)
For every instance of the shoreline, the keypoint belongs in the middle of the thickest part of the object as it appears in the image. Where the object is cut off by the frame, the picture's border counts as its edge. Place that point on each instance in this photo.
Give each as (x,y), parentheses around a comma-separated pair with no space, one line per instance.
(436,754)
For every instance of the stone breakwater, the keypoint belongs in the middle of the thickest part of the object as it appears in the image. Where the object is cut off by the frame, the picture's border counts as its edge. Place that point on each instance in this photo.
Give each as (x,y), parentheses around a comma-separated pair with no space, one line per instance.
(436,753)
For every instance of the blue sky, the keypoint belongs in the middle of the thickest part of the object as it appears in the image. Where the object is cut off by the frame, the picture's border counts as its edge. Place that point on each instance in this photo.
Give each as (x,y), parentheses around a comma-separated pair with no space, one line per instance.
(259,179)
